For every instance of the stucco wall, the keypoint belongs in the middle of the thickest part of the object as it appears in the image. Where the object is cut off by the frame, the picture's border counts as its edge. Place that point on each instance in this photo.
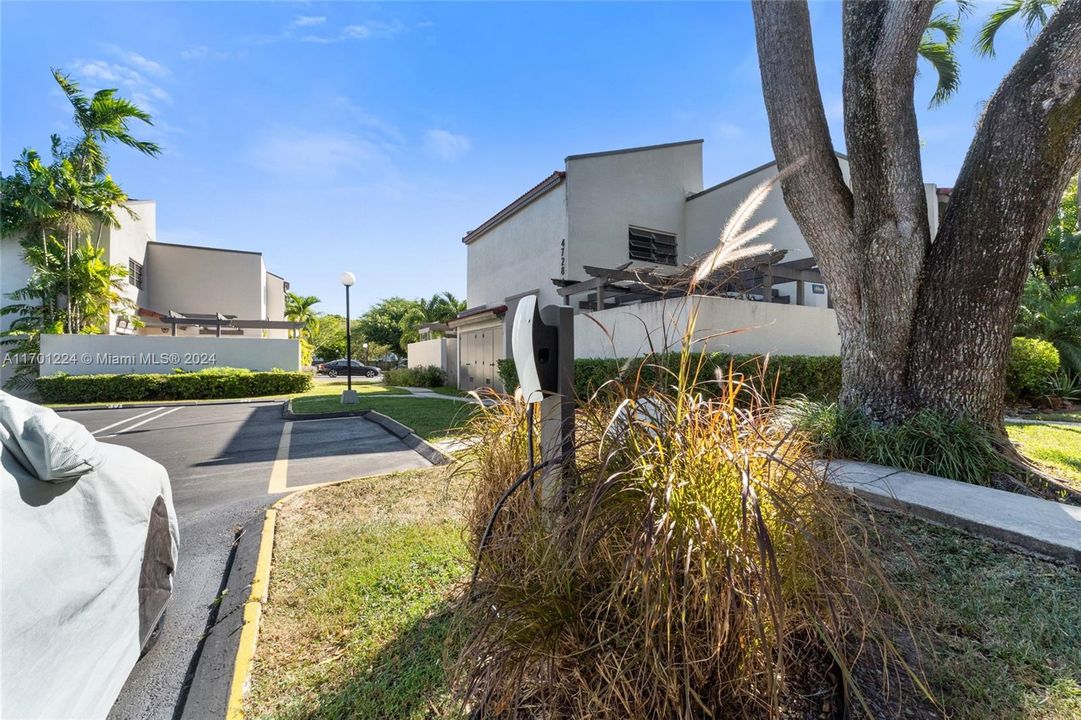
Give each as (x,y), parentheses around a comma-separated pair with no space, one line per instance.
(608,193)
(438,352)
(128,242)
(201,280)
(522,253)
(90,354)
(763,328)
(275,303)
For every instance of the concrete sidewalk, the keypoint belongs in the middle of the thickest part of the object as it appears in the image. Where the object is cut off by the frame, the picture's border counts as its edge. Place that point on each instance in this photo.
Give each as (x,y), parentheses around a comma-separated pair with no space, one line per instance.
(1040,526)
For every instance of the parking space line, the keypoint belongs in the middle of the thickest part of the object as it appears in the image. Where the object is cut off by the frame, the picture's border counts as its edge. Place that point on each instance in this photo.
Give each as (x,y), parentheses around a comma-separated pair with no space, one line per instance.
(129,428)
(279,473)
(125,421)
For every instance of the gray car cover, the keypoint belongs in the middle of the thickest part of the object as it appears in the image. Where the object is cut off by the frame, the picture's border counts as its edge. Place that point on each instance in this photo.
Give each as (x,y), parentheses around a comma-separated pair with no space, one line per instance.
(88,543)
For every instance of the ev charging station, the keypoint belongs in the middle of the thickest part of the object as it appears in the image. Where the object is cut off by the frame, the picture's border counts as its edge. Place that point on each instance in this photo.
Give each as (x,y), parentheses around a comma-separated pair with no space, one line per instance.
(542,346)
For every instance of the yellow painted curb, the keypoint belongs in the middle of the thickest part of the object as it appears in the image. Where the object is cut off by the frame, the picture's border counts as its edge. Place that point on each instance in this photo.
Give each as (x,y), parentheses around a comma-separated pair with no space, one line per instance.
(253,607)
(253,611)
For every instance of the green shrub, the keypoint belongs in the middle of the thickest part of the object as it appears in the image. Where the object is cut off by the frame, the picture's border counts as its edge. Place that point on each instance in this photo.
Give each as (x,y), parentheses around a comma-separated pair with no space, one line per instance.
(815,377)
(204,384)
(428,376)
(1033,362)
(927,442)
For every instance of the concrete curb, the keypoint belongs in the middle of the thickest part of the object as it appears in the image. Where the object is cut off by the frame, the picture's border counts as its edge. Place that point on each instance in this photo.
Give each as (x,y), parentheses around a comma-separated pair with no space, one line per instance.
(426,450)
(209,693)
(404,433)
(164,403)
(1043,527)
(288,414)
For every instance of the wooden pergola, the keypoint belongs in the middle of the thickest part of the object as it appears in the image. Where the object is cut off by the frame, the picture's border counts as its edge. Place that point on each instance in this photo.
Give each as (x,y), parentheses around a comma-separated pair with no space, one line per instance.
(213,324)
(753,278)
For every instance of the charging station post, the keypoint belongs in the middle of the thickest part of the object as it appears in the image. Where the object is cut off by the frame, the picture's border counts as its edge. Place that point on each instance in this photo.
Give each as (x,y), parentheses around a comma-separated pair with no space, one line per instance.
(542,344)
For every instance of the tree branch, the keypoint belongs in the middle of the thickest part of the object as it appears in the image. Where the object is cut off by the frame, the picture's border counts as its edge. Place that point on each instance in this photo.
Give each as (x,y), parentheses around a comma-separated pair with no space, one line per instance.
(1026,148)
(815,193)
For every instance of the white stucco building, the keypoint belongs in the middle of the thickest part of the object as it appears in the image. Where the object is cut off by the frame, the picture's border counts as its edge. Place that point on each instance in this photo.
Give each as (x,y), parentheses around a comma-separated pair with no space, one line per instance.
(638,209)
(219,291)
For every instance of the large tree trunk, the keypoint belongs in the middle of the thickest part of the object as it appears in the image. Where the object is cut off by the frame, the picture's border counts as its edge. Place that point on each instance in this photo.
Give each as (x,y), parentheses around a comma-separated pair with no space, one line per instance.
(923,324)
(1026,149)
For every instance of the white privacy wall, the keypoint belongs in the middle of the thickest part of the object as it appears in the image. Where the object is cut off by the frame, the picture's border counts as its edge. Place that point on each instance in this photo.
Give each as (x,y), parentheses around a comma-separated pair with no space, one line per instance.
(659,326)
(438,352)
(116,354)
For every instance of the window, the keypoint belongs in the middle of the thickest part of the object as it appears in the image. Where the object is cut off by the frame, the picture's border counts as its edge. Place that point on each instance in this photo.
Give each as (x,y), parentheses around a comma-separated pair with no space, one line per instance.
(135,274)
(652,246)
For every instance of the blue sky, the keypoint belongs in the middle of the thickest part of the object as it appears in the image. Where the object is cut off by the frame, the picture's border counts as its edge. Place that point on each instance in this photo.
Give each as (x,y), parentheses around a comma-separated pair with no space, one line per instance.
(371,137)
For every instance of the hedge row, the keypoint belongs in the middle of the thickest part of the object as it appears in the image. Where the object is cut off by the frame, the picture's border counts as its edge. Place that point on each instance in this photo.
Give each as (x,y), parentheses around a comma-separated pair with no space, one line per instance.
(816,377)
(205,384)
(428,376)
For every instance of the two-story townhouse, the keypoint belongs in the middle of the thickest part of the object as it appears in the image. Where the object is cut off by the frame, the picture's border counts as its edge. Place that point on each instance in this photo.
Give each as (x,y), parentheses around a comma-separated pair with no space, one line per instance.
(577,237)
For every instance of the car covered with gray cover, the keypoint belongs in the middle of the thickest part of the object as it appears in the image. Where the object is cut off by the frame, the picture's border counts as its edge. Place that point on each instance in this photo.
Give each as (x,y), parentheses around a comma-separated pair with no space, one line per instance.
(88,539)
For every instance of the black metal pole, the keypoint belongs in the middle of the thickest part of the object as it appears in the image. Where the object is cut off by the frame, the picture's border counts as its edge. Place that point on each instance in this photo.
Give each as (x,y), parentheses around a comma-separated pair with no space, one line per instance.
(348,344)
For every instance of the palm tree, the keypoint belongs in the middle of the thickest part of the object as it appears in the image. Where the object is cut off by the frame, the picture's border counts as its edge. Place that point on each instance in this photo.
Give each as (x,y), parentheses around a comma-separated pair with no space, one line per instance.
(439,308)
(73,194)
(944,31)
(27,207)
(1033,12)
(298,308)
(97,290)
(102,118)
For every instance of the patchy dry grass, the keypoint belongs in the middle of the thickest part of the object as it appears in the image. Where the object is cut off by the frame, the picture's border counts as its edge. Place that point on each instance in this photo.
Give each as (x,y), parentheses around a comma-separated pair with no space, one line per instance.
(1003,629)
(1056,447)
(358,618)
(358,622)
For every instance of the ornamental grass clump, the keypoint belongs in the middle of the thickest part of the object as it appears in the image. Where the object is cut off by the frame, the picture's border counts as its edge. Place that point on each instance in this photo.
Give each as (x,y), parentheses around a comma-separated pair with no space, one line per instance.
(700,566)
(692,563)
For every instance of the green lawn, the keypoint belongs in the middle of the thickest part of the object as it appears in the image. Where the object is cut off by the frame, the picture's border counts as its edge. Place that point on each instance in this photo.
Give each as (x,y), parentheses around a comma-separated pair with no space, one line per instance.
(431,419)
(359,609)
(359,622)
(1005,627)
(1056,447)
(1072,416)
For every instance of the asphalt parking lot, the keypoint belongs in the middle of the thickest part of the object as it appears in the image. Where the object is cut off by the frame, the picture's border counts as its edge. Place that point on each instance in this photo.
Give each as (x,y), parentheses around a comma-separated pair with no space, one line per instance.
(226,462)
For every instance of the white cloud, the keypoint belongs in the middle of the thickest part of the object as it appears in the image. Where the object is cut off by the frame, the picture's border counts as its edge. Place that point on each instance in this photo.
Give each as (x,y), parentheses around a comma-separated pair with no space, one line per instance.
(308,20)
(323,154)
(145,92)
(446,145)
(729,131)
(202,52)
(361,31)
(376,129)
(137,61)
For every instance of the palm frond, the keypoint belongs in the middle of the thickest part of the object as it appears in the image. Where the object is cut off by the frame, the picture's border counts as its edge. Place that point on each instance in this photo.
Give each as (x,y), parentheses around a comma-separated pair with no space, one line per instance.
(943,59)
(1033,12)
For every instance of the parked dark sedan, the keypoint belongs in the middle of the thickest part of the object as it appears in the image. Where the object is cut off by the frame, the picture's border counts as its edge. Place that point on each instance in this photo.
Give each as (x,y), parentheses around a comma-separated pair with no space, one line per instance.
(335,368)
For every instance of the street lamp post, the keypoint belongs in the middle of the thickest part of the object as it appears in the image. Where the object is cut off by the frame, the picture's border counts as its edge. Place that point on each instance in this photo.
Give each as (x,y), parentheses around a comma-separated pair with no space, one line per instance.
(350,395)
(365,353)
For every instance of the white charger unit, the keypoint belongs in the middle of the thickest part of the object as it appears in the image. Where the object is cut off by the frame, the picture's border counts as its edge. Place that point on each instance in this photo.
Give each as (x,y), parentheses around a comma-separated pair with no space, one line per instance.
(527,322)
